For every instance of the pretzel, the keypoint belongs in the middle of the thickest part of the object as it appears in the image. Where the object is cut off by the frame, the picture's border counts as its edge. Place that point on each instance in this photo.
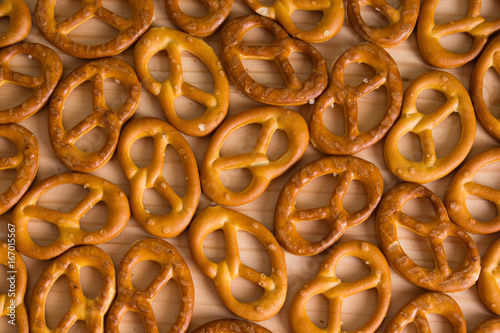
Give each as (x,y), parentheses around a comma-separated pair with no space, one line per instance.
(231,326)
(347,169)
(353,141)
(64,140)
(231,267)
(129,29)
(151,177)
(174,42)
(19,21)
(429,33)
(256,162)
(487,326)
(233,52)
(441,278)
(488,283)
(24,162)
(411,121)
(129,298)
(68,223)
(91,311)
(327,283)
(41,86)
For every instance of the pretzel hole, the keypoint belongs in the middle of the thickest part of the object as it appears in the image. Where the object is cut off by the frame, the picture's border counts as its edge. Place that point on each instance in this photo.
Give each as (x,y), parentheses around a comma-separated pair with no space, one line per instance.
(416,247)
(166,305)
(334,119)
(25,64)
(257,37)
(92,141)
(78,105)
(457,43)
(491,87)
(63,198)
(144,273)
(429,100)
(301,64)
(317,192)
(115,93)
(159,66)
(90,281)
(439,323)
(357,73)
(253,253)
(214,246)
(353,316)
(306,20)
(355,198)
(245,291)
(95,219)
(41,232)
(196,73)
(480,209)
(236,180)
(141,151)
(373,18)
(266,72)
(241,141)
(131,321)
(13,95)
(194,9)
(317,310)
(455,251)
(278,145)
(410,328)
(173,171)
(102,32)
(450,10)
(371,108)
(447,135)
(187,109)
(420,209)
(410,147)
(58,302)
(154,203)
(351,268)
(313,230)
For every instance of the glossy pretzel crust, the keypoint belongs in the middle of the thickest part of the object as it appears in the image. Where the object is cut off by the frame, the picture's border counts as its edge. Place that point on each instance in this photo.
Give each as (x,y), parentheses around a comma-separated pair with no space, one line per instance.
(19,21)
(488,284)
(231,326)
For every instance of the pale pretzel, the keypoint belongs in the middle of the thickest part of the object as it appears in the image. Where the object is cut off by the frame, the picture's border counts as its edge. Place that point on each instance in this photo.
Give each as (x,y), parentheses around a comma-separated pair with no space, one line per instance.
(233,52)
(231,326)
(91,311)
(335,290)
(20,21)
(442,277)
(64,140)
(488,283)
(256,162)
(348,169)
(173,267)
(488,326)
(174,42)
(231,267)
(41,86)
(386,74)
(412,121)
(151,177)
(68,223)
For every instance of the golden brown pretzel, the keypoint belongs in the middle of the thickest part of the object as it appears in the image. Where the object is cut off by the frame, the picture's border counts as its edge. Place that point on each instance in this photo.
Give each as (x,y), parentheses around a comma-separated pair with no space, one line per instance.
(41,86)
(412,121)
(64,140)
(129,298)
(91,311)
(488,326)
(231,326)
(233,52)
(174,42)
(386,74)
(348,169)
(442,277)
(19,21)
(151,177)
(256,162)
(223,272)
(488,283)
(68,223)
(327,283)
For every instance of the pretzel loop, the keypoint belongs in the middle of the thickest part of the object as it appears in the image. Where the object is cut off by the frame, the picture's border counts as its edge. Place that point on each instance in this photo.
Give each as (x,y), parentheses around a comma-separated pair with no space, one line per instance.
(19,21)
(488,283)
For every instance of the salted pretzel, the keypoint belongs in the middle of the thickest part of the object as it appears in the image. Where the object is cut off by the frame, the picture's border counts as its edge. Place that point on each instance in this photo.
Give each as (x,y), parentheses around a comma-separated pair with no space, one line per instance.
(335,290)
(488,283)
(174,42)
(488,326)
(256,162)
(151,177)
(338,92)
(231,326)
(139,301)
(19,21)
(442,277)
(68,223)
(412,121)
(429,34)
(231,267)
(347,169)
(91,311)
(234,51)
(129,28)
(63,140)
(41,86)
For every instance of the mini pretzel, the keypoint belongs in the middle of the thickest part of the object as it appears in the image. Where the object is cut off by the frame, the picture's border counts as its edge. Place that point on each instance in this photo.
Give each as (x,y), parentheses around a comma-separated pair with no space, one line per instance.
(256,162)
(41,86)
(19,21)
(129,29)
(287,216)
(68,224)
(327,283)
(151,177)
(488,283)
(223,272)
(64,140)
(174,42)
(488,326)
(91,311)
(411,121)
(442,278)
(231,326)
(353,141)
(233,52)
(129,298)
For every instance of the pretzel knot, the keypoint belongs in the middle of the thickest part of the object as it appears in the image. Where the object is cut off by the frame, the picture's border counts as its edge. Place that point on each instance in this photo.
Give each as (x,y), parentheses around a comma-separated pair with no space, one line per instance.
(129,298)
(346,169)
(335,290)
(231,326)
(488,283)
(19,21)
(64,140)
(223,272)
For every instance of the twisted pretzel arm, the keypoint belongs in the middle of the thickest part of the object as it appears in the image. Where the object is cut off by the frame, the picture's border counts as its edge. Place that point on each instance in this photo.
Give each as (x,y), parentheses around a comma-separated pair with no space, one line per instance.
(487,284)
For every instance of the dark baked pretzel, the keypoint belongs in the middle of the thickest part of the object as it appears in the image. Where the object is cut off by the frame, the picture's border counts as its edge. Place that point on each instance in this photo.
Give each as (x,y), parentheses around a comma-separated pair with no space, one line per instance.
(233,52)
(256,162)
(41,86)
(231,326)
(386,74)
(223,272)
(129,298)
(488,326)
(335,290)
(19,21)
(68,223)
(442,277)
(348,169)
(488,283)
(64,140)
(174,42)
(151,177)
(129,29)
